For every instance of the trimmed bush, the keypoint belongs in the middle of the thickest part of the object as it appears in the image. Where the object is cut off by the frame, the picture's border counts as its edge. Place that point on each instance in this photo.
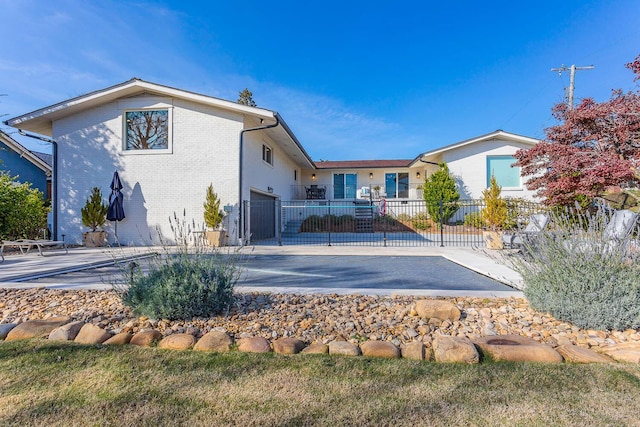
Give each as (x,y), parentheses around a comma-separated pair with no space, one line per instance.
(579,276)
(23,214)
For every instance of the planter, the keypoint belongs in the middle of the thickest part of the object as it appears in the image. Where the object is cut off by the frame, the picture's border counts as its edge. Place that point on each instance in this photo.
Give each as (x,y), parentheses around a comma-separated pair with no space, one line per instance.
(216,237)
(493,239)
(92,239)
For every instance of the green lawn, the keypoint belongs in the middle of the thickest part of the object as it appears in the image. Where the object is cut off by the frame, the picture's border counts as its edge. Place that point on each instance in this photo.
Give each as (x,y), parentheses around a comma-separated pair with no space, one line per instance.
(62,384)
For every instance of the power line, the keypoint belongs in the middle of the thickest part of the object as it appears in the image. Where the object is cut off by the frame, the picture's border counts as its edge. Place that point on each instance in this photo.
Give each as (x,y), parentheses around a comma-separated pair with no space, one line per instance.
(572,77)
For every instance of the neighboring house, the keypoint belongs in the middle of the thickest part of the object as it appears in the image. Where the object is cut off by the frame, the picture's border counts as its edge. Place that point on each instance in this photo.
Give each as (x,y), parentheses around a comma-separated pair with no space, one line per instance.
(168,145)
(29,166)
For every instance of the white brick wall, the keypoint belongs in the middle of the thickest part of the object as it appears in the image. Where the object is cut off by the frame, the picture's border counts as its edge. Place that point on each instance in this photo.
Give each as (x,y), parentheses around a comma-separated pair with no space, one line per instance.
(205,150)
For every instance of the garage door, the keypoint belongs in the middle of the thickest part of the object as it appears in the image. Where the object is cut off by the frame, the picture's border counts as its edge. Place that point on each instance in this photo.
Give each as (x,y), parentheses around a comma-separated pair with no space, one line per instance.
(262,217)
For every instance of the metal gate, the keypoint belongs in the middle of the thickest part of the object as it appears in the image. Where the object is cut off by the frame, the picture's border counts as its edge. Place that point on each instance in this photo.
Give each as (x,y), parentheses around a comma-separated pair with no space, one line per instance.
(371,223)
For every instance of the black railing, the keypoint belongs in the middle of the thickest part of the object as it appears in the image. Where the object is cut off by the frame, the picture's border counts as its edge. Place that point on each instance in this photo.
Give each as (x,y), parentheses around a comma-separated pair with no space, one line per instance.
(373,223)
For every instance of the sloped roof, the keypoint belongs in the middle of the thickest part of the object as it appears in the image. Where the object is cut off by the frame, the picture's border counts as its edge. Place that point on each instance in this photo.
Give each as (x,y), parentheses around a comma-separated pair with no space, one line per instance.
(29,155)
(363,164)
(41,121)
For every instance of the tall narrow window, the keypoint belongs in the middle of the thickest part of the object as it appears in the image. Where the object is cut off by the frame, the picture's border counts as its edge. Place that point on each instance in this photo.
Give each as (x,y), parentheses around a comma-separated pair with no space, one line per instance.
(267,155)
(397,185)
(508,177)
(344,185)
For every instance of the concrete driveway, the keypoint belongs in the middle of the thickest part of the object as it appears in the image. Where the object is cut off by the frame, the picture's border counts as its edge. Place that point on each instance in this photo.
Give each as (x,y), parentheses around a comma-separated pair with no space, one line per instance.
(313,269)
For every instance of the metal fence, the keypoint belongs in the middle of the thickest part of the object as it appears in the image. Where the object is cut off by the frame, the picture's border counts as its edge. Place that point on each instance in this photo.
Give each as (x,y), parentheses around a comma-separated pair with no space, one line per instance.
(373,222)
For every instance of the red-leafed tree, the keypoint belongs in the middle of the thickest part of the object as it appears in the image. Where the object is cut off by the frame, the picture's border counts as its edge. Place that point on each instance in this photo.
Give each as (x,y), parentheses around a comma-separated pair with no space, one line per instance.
(595,146)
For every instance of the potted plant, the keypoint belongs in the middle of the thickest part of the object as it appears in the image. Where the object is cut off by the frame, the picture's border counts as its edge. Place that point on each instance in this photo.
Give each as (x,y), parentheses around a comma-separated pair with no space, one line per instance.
(94,215)
(213,216)
(494,214)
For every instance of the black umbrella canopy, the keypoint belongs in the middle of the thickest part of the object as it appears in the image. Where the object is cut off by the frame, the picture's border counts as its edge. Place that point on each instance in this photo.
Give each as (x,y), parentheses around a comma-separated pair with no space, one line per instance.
(116,207)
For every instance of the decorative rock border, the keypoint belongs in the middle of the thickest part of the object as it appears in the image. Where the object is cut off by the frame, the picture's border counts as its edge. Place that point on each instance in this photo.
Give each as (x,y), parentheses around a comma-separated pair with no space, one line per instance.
(458,330)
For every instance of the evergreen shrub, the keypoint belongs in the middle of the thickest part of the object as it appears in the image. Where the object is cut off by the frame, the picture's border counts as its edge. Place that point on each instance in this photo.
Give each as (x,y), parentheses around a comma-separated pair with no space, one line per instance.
(23,214)
(575,273)
(185,280)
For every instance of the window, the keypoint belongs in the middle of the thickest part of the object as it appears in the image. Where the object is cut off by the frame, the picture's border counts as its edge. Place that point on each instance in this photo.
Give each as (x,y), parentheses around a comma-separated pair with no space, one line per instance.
(508,177)
(344,185)
(397,185)
(267,155)
(146,130)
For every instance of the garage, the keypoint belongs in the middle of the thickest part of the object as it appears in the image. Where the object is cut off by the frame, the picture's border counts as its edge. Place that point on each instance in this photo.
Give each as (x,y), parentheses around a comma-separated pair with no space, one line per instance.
(262,217)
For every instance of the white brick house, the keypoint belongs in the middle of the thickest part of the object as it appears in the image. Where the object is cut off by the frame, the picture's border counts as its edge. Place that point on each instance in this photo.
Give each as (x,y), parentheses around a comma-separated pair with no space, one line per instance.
(200,143)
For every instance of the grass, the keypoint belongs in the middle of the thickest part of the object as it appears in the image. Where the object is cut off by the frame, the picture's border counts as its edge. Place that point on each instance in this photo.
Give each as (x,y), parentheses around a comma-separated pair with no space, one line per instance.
(64,384)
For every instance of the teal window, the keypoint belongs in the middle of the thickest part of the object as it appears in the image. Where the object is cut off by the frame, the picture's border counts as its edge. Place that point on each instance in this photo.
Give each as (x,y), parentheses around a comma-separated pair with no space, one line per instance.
(507,176)
(344,185)
(396,185)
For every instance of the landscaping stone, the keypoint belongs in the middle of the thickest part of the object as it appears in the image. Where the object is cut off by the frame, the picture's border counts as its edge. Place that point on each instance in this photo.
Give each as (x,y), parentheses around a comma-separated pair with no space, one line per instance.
(216,341)
(119,339)
(413,350)
(437,309)
(91,334)
(254,345)
(343,348)
(575,354)
(380,349)
(5,328)
(35,328)
(288,346)
(146,338)
(516,348)
(177,342)
(316,348)
(455,350)
(66,332)
(624,352)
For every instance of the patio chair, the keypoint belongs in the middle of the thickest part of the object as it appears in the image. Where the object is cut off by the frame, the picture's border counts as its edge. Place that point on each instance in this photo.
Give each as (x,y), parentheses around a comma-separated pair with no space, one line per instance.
(614,235)
(25,245)
(537,224)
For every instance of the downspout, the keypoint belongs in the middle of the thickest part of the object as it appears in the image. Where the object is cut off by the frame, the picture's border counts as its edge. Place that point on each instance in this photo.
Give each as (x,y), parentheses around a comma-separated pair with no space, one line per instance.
(54,179)
(273,125)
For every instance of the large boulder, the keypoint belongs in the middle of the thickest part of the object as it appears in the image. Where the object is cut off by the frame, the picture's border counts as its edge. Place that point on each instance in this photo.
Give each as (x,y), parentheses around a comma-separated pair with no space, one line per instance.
(448,349)
(254,345)
(316,348)
(288,345)
(36,328)
(119,339)
(343,348)
(5,328)
(437,309)
(413,350)
(380,349)
(177,342)
(146,338)
(92,334)
(623,352)
(216,341)
(66,332)
(516,348)
(575,354)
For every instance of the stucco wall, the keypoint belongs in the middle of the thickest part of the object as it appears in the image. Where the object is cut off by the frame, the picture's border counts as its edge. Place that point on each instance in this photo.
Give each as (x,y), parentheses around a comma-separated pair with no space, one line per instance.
(204,150)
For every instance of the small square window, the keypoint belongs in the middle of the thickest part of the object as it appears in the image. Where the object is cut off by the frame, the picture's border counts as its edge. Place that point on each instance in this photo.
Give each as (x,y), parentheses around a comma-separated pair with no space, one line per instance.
(267,155)
(146,130)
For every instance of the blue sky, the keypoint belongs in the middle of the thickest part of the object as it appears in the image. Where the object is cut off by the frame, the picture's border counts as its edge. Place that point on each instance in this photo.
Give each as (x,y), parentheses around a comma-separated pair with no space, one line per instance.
(353,79)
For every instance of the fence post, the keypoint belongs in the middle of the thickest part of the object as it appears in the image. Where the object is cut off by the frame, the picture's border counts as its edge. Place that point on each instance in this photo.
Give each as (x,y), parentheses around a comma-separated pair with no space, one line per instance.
(329,220)
(440,208)
(279,220)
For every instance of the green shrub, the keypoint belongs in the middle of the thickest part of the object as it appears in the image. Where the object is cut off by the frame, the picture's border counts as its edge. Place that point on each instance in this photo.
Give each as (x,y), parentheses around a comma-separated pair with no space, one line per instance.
(440,187)
(420,221)
(186,280)
(94,211)
(23,214)
(578,276)
(474,219)
(405,217)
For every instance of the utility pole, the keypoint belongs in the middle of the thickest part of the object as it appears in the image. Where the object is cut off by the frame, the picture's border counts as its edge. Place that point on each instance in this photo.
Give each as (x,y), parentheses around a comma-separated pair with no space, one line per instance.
(572,78)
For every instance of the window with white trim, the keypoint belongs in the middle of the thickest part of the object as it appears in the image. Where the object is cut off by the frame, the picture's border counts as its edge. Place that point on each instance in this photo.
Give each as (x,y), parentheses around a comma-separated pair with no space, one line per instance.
(267,154)
(508,176)
(396,185)
(345,185)
(147,130)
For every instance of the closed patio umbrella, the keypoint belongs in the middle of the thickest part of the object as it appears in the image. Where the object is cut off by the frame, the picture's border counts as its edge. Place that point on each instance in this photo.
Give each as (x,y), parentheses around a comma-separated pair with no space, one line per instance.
(116,208)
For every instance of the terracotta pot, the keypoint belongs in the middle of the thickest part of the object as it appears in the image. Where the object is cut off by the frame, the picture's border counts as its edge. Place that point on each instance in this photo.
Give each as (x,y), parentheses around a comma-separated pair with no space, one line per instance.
(216,237)
(493,239)
(92,239)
